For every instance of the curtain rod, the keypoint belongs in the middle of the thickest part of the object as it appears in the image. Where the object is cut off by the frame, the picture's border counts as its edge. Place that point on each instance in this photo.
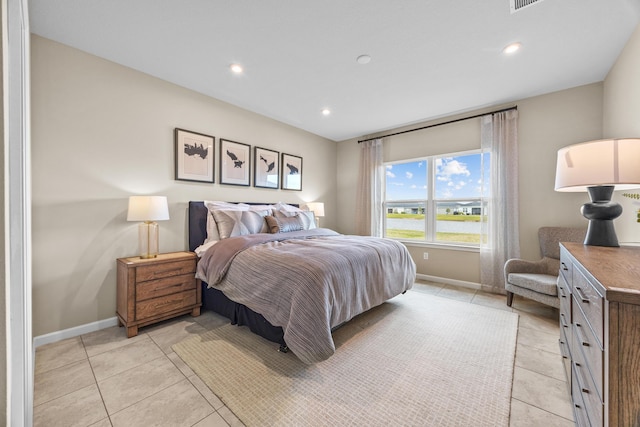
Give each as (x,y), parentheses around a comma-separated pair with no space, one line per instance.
(443,123)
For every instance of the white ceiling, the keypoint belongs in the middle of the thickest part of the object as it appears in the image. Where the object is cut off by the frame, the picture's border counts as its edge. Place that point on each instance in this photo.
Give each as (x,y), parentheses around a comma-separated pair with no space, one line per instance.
(430,58)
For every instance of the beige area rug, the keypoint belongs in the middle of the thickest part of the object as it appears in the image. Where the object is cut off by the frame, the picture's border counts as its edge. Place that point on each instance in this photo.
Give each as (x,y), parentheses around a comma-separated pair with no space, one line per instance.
(417,360)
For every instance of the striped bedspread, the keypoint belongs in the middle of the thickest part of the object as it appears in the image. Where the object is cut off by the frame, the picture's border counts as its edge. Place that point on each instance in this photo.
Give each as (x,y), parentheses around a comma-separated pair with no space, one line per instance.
(309,281)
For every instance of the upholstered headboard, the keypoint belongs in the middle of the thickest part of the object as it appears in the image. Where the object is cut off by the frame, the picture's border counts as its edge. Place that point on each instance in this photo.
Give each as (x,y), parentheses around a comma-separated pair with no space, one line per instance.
(198,222)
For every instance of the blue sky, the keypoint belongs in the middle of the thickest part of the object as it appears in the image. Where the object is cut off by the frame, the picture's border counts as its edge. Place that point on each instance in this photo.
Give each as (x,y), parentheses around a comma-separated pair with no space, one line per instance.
(457,177)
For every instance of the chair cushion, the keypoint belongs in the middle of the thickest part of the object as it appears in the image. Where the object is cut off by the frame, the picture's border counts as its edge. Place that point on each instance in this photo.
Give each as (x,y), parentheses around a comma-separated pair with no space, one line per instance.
(542,283)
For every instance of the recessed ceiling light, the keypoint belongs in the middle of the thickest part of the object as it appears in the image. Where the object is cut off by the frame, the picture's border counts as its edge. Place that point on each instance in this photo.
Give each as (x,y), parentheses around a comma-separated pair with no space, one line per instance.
(236,68)
(363,59)
(512,48)
(326,112)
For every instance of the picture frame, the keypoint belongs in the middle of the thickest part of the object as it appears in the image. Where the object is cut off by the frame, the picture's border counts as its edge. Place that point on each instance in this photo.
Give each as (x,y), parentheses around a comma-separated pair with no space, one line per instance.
(266,172)
(194,156)
(235,163)
(291,172)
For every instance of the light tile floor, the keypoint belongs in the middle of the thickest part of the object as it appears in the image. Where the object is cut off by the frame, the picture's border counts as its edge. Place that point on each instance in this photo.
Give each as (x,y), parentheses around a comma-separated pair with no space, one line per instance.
(103,379)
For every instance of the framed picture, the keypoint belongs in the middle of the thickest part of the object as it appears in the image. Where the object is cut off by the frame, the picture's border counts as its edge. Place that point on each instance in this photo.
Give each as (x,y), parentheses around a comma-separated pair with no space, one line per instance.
(291,172)
(235,162)
(266,168)
(194,156)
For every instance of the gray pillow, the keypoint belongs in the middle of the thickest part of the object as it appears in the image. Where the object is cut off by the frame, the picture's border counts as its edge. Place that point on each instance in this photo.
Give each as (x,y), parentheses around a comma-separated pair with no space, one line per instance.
(232,222)
(284,224)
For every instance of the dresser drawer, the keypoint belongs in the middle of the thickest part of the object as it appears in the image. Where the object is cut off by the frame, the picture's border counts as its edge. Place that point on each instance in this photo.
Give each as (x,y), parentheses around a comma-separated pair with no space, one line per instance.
(588,351)
(565,303)
(160,287)
(579,408)
(583,384)
(166,304)
(167,269)
(590,302)
(566,266)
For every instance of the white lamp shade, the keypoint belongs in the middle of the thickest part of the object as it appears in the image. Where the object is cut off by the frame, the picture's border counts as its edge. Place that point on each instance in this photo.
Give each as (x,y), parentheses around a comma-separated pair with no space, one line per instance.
(317,208)
(604,162)
(148,208)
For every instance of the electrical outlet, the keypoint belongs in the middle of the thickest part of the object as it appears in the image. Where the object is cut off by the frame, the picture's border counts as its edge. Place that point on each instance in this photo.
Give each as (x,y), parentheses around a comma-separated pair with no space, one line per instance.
(425,255)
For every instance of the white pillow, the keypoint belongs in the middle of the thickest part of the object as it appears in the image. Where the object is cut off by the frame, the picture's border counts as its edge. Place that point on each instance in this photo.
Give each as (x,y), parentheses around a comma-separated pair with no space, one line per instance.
(200,250)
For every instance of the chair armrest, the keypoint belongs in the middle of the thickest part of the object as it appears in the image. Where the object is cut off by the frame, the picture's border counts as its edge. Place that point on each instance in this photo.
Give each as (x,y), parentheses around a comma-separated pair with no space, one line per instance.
(516,265)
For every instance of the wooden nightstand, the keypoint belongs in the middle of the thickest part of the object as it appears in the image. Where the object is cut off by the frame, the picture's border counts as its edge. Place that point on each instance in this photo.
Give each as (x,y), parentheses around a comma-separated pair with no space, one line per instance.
(151,290)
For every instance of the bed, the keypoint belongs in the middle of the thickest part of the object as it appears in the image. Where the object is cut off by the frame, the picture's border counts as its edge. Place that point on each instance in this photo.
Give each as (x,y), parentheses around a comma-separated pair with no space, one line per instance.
(270,268)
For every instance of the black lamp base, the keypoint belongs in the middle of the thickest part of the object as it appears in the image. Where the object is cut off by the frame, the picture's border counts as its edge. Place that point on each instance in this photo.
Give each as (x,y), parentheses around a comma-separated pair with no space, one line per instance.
(601,212)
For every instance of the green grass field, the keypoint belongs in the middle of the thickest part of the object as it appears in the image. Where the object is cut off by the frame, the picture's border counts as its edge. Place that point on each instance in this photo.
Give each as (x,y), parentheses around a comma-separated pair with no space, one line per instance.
(442,237)
(439,217)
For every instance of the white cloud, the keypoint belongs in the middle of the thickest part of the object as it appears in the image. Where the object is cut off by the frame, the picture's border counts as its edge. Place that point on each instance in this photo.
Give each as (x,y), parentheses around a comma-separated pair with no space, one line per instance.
(409,175)
(450,167)
(390,174)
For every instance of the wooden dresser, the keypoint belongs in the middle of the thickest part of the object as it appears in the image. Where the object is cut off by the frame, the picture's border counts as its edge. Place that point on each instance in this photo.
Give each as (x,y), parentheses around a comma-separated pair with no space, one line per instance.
(155,289)
(599,291)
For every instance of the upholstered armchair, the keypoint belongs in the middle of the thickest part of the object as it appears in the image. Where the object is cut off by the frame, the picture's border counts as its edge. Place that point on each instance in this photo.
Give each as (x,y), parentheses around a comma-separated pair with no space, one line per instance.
(537,280)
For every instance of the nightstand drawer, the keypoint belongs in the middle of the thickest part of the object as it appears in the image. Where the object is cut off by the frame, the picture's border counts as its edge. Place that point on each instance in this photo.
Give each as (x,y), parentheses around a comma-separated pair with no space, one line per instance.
(160,287)
(591,302)
(167,269)
(166,304)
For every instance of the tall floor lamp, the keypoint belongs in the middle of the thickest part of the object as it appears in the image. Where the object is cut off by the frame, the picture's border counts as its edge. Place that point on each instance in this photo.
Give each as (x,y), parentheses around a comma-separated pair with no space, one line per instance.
(600,167)
(148,209)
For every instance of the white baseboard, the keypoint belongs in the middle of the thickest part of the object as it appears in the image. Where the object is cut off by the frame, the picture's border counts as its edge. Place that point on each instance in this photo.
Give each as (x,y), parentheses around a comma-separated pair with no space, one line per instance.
(461,283)
(113,321)
(74,332)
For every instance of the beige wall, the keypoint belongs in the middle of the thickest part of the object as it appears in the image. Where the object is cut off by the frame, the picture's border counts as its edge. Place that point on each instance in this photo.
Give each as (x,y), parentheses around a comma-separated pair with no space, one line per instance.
(622,120)
(546,123)
(102,132)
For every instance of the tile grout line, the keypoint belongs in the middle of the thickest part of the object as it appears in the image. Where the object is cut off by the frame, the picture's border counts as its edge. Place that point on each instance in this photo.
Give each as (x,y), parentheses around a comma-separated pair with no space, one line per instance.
(104,405)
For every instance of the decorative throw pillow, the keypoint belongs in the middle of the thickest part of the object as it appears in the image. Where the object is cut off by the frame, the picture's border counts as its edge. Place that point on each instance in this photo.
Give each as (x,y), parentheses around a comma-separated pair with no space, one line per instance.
(232,222)
(284,224)
(283,210)
(212,227)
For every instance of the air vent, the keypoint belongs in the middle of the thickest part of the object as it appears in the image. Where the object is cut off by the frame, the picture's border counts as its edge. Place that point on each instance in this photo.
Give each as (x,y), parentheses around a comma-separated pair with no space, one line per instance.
(516,5)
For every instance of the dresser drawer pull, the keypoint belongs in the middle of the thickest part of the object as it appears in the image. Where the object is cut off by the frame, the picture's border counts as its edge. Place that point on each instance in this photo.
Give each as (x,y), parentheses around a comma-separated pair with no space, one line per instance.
(581,295)
(564,267)
(581,379)
(564,324)
(562,294)
(584,342)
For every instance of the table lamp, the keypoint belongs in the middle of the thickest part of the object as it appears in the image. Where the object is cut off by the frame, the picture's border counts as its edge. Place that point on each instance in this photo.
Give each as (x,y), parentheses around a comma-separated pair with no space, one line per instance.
(600,167)
(148,209)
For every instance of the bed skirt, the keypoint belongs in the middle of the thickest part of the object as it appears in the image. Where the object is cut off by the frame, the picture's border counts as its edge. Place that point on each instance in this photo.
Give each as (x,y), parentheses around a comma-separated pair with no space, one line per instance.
(241,315)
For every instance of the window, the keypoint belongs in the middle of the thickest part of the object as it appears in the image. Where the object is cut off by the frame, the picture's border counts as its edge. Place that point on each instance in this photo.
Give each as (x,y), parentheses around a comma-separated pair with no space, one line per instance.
(438,198)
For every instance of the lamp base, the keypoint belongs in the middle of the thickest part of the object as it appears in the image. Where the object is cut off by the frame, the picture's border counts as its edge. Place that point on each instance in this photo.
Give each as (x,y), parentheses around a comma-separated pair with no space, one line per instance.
(601,212)
(148,239)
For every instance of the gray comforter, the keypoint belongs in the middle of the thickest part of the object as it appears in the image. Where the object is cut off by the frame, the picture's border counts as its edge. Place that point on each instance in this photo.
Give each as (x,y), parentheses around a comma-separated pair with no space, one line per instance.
(308,282)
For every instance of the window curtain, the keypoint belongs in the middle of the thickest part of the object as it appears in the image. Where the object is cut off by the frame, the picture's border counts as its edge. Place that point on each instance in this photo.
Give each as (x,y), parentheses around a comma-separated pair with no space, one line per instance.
(499,137)
(369,219)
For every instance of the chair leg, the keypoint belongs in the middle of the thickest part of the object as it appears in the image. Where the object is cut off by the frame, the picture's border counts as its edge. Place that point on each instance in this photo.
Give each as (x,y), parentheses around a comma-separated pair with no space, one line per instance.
(509,298)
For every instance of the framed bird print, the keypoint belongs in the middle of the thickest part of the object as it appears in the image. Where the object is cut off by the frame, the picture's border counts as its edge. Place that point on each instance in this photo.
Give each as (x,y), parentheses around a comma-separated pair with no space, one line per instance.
(235,163)
(193,156)
(266,164)
(291,172)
